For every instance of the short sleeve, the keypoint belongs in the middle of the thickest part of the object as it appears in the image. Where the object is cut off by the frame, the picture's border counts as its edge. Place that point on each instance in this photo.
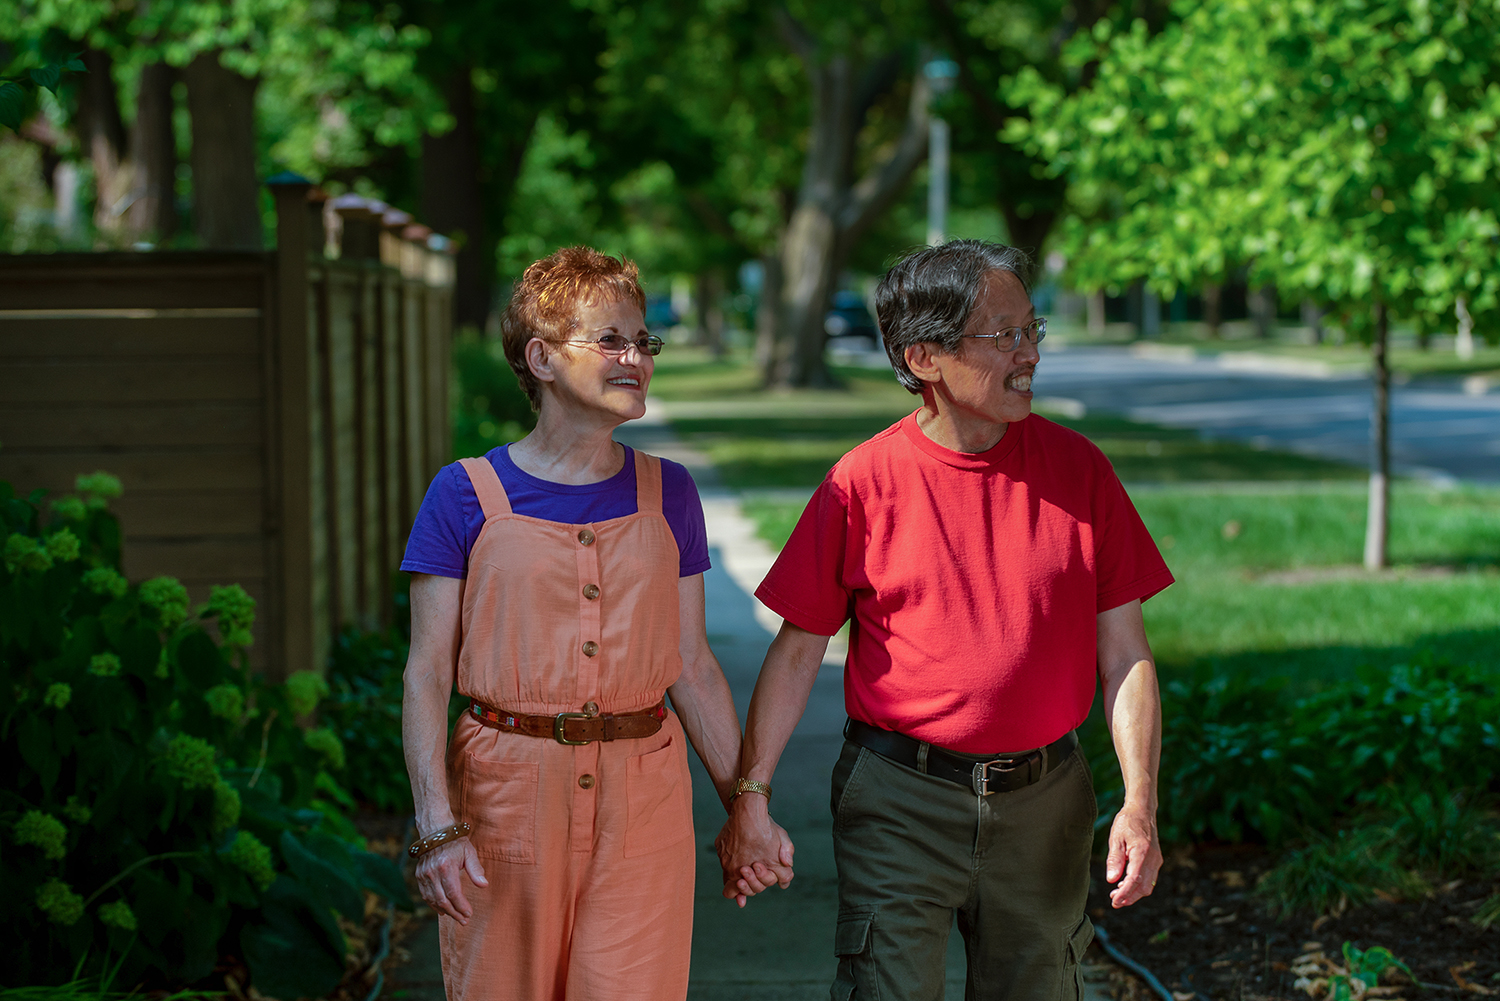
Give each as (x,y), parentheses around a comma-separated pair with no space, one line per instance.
(683,509)
(805,585)
(1129,566)
(442,535)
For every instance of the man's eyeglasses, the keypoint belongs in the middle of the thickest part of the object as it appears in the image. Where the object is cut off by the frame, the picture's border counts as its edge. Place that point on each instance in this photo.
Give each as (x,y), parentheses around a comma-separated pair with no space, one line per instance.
(618,344)
(1010,338)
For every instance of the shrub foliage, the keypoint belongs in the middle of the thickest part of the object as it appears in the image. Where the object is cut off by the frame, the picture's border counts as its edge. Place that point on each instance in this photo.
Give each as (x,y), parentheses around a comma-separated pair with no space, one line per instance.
(161,807)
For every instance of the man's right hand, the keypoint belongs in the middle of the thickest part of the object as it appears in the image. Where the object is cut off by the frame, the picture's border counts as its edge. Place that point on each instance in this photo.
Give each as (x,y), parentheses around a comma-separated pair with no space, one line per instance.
(754,851)
(439,879)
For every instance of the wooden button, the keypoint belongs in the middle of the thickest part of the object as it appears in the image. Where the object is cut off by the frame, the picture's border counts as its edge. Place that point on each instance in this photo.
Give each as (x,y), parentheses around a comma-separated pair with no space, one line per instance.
(591,591)
(586,781)
(590,648)
(586,537)
(592,708)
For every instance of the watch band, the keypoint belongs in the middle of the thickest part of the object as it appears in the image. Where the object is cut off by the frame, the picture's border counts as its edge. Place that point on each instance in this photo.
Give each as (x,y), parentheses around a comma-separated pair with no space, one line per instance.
(750,785)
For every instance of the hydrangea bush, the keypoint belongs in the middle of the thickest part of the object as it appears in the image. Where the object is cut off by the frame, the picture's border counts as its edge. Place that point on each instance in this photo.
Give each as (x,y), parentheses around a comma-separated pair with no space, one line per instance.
(158,801)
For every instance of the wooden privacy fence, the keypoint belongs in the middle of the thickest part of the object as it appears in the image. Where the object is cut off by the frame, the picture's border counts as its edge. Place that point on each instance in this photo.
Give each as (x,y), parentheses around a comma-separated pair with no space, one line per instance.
(275,418)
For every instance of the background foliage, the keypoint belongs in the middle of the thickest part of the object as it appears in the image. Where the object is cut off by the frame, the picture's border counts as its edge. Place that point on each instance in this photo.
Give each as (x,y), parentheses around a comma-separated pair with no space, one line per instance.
(162,806)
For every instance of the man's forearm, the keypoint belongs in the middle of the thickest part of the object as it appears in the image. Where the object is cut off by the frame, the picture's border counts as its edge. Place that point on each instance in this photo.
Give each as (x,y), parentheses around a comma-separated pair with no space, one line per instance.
(1132,708)
(1132,702)
(781,693)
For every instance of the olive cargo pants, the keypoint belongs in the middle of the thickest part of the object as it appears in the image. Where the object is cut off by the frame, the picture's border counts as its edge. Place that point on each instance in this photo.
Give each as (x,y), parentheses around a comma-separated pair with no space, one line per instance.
(912,849)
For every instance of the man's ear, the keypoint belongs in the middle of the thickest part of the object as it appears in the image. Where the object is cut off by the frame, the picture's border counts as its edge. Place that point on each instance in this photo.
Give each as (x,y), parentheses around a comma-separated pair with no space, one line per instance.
(921,358)
(539,360)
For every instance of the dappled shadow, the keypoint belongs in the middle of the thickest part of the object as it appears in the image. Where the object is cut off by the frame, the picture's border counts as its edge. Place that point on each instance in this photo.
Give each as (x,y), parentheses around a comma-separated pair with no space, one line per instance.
(1309,668)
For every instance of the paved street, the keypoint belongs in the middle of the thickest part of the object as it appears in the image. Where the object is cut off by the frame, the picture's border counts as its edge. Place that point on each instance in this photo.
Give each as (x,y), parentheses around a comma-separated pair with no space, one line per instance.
(1438,430)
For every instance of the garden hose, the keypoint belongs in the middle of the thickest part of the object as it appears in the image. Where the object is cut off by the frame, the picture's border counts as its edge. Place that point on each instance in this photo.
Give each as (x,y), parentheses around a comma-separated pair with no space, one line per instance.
(1131,965)
(377,962)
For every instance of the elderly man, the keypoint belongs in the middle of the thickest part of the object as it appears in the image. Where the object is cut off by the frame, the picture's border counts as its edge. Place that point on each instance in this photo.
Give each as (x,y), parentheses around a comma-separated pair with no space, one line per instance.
(991,563)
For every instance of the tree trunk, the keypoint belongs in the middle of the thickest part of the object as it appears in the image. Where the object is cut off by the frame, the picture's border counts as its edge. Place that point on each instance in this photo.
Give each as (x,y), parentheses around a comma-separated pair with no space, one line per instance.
(811,267)
(1028,232)
(1263,310)
(1377,523)
(710,296)
(1463,344)
(102,134)
(766,351)
(1094,311)
(1312,317)
(833,210)
(153,152)
(1213,311)
(453,202)
(226,191)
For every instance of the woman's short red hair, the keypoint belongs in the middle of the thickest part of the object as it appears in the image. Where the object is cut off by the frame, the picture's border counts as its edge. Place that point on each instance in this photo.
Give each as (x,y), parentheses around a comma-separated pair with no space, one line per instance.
(547,300)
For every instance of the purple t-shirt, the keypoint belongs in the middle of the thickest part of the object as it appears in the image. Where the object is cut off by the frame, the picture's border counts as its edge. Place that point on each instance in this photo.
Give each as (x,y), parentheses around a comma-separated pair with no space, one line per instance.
(450,518)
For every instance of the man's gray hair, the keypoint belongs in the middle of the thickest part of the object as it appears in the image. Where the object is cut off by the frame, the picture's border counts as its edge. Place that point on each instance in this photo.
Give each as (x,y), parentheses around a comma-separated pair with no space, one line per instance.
(927,296)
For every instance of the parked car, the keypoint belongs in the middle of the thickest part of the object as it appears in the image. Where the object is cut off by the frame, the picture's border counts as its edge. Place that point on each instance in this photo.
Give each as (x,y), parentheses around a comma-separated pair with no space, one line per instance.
(849,319)
(659,313)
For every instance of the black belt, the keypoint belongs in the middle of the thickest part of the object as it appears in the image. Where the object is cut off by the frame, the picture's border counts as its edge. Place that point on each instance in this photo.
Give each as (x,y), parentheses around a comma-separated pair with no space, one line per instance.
(1006,773)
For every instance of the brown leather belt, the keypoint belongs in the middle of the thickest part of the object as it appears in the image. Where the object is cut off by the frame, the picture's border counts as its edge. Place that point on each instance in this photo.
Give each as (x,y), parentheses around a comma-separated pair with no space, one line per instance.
(573,728)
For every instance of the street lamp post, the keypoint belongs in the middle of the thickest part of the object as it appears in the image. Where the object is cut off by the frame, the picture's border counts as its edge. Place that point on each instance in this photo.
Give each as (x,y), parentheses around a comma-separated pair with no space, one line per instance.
(940,74)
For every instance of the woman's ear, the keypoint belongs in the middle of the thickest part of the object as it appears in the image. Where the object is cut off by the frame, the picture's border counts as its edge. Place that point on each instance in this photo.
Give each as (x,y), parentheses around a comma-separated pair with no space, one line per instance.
(539,360)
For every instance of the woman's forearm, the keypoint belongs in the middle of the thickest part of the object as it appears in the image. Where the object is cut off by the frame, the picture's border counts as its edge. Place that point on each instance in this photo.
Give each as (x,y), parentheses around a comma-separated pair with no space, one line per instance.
(428,682)
(706,708)
(701,695)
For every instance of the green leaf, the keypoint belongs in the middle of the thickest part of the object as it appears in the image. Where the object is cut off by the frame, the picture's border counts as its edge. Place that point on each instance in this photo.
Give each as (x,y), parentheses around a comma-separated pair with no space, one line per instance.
(35,739)
(289,951)
(331,878)
(12,105)
(383,876)
(47,76)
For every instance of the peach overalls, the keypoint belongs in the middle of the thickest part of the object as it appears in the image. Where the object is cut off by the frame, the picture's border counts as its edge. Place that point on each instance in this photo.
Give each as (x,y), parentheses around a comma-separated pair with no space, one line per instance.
(588,849)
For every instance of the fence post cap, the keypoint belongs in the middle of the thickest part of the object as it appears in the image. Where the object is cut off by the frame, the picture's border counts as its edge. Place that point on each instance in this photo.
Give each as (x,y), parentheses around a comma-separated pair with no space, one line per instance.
(286,179)
(395,219)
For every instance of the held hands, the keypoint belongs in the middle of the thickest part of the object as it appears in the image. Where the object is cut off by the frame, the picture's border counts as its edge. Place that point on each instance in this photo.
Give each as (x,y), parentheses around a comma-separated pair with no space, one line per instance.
(1134,854)
(438,879)
(754,851)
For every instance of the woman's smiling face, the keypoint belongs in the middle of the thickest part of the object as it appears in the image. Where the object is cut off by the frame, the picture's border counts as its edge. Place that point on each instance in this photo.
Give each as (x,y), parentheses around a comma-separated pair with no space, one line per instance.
(586,375)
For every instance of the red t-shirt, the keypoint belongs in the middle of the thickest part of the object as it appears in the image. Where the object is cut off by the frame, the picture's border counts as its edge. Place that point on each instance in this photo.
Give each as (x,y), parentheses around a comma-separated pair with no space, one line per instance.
(974,581)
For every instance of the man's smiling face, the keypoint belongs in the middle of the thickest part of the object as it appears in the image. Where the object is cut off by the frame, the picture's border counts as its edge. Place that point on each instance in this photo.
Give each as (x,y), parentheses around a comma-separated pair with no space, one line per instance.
(982,383)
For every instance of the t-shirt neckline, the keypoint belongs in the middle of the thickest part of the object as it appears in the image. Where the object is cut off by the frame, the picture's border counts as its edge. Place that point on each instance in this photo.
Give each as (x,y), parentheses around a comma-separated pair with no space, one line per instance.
(990,458)
(500,457)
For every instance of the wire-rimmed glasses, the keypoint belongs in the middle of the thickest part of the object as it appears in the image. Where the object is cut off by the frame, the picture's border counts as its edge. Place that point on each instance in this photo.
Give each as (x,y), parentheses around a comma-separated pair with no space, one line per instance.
(617,344)
(1010,338)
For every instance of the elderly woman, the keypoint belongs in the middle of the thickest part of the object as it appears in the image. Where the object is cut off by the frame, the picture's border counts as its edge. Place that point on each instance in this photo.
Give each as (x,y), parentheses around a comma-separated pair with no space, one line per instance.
(560,581)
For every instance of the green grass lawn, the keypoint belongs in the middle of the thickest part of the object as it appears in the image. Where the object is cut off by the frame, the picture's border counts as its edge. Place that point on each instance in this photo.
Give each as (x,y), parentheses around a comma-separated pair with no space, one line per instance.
(1265,545)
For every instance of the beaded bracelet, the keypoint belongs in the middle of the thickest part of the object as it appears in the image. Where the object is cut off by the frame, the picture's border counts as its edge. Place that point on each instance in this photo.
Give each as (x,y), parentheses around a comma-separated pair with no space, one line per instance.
(422,846)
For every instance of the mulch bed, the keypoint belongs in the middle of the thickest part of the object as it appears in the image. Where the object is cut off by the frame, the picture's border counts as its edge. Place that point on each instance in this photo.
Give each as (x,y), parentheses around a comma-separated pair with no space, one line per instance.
(1205,932)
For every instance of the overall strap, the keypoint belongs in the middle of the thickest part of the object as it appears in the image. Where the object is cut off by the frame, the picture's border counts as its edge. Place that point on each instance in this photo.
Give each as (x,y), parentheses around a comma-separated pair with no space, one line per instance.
(647,483)
(487,487)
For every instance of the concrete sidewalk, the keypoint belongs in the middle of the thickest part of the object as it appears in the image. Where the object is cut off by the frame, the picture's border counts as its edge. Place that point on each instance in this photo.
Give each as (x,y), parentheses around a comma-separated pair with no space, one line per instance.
(779,947)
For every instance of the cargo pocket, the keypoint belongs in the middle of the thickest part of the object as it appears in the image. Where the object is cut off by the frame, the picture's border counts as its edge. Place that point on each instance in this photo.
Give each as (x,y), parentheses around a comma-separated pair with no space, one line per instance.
(658,801)
(851,944)
(1078,944)
(500,803)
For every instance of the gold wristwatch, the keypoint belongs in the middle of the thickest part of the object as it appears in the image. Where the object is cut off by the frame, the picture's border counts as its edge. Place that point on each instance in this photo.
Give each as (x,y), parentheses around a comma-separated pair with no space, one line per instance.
(750,785)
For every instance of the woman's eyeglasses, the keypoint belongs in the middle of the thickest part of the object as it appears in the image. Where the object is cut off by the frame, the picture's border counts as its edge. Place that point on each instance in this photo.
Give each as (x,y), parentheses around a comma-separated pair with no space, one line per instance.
(618,344)
(1010,338)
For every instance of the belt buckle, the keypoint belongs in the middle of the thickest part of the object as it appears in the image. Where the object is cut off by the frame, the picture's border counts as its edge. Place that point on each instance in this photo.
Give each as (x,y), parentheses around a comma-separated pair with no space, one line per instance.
(557,728)
(1006,766)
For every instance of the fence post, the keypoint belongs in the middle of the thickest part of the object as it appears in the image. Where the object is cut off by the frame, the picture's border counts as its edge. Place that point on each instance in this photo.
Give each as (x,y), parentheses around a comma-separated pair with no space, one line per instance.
(290,461)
